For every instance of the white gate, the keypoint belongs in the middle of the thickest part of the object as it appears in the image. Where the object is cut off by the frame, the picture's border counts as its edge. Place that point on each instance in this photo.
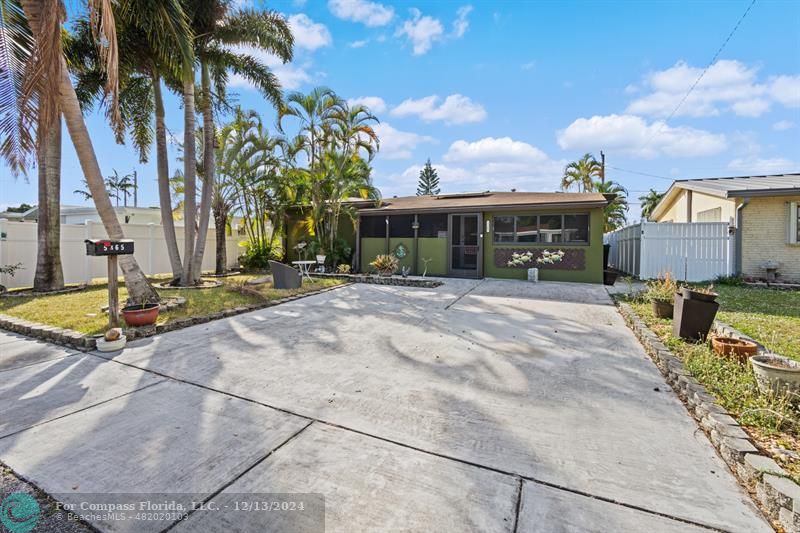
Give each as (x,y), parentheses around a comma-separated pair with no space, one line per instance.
(696,251)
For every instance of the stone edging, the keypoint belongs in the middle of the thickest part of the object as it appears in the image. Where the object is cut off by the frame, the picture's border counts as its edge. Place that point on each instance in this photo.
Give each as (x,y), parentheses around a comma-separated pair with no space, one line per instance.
(778,495)
(85,343)
(380,280)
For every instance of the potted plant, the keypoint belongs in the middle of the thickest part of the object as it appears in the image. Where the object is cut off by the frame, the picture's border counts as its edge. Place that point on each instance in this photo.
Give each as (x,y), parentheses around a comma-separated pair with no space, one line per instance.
(738,348)
(143,314)
(546,258)
(705,294)
(694,312)
(386,265)
(776,373)
(661,294)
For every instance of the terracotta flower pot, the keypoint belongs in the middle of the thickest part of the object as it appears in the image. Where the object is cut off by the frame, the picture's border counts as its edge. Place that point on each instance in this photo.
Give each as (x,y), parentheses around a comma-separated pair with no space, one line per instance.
(663,308)
(738,348)
(140,314)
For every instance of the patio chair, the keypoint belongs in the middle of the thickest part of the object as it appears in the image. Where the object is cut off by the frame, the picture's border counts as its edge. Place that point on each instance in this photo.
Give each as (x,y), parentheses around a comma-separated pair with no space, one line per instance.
(284,276)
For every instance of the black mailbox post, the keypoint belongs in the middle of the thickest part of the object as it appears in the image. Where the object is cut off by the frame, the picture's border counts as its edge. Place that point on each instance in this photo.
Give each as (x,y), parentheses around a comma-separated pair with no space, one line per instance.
(110,249)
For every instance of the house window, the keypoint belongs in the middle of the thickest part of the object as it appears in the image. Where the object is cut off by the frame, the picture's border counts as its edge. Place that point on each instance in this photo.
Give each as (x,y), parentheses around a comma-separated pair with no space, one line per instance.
(503,229)
(401,226)
(432,226)
(794,223)
(373,226)
(528,229)
(576,228)
(550,228)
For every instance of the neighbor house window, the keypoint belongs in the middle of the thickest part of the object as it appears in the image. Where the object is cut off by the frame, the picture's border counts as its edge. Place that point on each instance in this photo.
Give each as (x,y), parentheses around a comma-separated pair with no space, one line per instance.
(373,226)
(527,229)
(794,223)
(432,226)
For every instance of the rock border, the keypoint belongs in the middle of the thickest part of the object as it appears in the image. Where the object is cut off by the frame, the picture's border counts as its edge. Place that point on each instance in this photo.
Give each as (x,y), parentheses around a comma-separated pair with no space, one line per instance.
(86,343)
(771,486)
(382,280)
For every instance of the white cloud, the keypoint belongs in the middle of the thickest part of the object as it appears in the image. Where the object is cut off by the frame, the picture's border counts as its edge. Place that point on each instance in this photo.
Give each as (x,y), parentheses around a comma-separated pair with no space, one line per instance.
(307,33)
(421,31)
(528,66)
(498,164)
(786,90)
(633,136)
(368,13)
(783,125)
(759,166)
(728,85)
(374,103)
(359,44)
(491,148)
(396,144)
(460,24)
(455,109)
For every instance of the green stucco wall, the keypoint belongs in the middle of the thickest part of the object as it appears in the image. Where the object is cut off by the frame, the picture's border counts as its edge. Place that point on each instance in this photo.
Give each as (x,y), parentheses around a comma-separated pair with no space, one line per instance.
(297,231)
(593,272)
(436,250)
(370,248)
(408,242)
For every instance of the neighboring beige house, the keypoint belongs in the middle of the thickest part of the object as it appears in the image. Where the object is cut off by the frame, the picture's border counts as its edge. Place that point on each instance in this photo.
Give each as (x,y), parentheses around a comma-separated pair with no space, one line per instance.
(762,209)
(71,214)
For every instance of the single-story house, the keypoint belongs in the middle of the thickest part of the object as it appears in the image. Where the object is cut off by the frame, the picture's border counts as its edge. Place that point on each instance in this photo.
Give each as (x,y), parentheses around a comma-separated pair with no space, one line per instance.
(473,235)
(762,209)
(78,214)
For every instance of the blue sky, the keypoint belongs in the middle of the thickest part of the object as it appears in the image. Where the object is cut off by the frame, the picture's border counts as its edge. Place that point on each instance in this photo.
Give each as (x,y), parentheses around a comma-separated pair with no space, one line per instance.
(501,95)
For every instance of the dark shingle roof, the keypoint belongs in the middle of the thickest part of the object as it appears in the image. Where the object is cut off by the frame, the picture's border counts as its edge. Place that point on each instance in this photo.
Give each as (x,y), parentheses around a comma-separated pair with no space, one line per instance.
(487,200)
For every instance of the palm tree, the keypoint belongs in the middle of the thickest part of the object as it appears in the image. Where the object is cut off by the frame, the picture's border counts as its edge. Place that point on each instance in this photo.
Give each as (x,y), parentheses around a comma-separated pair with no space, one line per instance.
(649,202)
(614,214)
(217,29)
(17,121)
(581,173)
(46,91)
(316,112)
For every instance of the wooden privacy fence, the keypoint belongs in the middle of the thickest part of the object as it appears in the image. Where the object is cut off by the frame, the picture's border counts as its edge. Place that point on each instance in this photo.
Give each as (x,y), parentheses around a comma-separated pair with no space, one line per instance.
(18,244)
(696,251)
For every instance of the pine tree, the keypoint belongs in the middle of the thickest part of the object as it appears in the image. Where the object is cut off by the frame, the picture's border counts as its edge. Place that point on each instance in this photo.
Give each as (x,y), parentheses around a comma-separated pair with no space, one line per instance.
(428,180)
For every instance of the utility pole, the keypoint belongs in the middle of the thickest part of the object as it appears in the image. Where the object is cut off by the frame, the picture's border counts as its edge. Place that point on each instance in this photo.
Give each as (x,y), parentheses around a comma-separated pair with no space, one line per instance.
(136,189)
(602,167)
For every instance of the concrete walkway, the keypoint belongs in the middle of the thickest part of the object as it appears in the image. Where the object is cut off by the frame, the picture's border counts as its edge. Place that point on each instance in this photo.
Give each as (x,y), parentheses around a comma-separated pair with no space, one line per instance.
(475,406)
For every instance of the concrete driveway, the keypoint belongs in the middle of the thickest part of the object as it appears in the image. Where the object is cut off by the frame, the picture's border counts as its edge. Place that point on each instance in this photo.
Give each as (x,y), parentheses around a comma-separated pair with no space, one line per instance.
(476,406)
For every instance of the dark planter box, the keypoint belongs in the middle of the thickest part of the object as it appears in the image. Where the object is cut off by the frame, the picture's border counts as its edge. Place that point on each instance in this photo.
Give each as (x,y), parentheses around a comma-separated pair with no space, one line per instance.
(609,277)
(692,319)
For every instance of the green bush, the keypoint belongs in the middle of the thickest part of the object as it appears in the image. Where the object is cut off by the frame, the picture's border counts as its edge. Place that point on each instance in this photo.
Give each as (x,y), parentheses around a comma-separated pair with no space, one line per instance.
(257,257)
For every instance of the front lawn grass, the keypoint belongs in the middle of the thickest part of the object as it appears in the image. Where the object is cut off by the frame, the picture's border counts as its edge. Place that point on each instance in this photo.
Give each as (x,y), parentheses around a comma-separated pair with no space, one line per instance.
(769,317)
(81,311)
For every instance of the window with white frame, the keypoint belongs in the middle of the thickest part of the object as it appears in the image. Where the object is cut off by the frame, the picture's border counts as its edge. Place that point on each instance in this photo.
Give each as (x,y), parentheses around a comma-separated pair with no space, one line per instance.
(794,223)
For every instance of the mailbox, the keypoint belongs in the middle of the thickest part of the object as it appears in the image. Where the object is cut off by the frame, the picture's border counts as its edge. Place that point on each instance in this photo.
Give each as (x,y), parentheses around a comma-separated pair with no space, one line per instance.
(109,247)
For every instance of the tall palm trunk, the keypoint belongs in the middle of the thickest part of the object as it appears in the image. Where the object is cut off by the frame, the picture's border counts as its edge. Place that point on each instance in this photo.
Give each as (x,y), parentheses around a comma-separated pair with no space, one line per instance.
(162,166)
(49,274)
(189,180)
(220,224)
(209,174)
(139,289)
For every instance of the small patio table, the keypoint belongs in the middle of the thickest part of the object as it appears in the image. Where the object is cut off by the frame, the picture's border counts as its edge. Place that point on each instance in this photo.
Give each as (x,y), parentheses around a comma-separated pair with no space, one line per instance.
(305,266)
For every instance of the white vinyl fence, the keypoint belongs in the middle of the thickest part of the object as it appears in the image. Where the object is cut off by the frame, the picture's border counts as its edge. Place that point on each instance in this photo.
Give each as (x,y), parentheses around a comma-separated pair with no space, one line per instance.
(18,244)
(696,251)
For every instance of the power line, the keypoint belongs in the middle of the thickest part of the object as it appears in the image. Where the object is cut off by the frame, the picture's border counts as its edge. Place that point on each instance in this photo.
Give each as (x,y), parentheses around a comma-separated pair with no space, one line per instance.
(641,173)
(700,77)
